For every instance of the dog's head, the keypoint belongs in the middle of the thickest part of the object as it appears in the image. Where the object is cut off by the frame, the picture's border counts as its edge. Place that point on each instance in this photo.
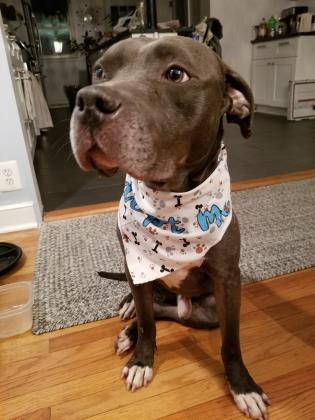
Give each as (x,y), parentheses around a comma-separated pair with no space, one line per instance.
(155,108)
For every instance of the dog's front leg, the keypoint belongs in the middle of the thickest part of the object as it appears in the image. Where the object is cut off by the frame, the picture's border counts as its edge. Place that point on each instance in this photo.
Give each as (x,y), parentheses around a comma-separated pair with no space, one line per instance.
(139,370)
(248,396)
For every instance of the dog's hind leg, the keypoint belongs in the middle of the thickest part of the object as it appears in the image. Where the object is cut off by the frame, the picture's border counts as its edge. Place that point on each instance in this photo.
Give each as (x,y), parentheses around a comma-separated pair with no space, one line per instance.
(127,309)
(127,338)
(202,315)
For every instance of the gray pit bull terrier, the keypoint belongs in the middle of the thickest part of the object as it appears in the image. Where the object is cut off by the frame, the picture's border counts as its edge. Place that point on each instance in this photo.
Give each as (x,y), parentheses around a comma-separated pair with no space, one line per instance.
(155,110)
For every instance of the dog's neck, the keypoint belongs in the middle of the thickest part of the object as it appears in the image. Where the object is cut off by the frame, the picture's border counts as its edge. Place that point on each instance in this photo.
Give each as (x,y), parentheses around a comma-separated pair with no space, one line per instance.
(190,179)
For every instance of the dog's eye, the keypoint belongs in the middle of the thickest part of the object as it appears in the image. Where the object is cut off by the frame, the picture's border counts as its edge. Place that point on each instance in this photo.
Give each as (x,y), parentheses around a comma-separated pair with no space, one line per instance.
(176,74)
(99,73)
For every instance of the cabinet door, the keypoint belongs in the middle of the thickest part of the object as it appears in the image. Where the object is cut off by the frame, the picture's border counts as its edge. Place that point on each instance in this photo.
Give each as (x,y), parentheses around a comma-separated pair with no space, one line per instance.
(261,81)
(283,72)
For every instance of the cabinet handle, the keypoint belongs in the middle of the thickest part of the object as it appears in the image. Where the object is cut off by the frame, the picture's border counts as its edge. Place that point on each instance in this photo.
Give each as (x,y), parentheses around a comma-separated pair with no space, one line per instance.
(284,43)
(261,46)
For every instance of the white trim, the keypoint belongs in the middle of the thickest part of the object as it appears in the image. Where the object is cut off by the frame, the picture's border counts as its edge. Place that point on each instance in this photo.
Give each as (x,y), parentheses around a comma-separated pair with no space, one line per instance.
(20,216)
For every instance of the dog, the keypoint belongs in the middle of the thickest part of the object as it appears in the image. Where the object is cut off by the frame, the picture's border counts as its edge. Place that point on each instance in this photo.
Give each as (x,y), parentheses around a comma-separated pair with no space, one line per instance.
(155,110)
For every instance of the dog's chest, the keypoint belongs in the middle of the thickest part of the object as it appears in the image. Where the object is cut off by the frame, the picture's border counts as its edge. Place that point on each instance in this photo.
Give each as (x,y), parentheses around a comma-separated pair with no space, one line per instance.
(188,281)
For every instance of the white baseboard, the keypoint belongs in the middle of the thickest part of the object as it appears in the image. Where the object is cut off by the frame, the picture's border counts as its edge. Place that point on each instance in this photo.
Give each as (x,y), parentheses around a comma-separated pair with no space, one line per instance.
(272,110)
(16,217)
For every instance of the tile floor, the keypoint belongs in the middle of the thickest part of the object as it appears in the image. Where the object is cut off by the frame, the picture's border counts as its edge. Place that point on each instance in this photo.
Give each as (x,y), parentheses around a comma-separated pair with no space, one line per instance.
(276,147)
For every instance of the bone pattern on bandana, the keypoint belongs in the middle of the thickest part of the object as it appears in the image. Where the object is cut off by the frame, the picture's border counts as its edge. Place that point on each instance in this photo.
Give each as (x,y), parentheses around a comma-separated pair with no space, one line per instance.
(163,232)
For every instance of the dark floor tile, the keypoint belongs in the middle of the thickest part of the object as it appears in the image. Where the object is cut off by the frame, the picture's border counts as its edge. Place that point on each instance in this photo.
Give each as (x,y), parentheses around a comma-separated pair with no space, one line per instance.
(276,147)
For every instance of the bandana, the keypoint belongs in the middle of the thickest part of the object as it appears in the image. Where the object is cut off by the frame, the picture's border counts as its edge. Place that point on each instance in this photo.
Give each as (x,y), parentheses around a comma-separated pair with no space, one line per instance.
(165,231)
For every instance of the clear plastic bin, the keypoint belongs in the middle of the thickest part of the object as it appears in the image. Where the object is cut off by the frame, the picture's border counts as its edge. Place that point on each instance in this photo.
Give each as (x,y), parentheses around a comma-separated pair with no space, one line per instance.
(16,302)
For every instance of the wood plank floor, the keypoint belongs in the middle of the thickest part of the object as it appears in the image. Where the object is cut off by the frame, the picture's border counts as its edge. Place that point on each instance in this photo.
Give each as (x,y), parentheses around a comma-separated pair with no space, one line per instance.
(74,373)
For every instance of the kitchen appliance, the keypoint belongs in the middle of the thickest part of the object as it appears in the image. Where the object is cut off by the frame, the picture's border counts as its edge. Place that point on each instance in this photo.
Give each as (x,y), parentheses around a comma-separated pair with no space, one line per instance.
(289,17)
(302,100)
(304,22)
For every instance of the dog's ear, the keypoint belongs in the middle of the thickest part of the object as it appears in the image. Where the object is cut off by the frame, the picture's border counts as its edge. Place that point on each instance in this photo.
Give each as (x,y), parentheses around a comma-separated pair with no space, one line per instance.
(240,101)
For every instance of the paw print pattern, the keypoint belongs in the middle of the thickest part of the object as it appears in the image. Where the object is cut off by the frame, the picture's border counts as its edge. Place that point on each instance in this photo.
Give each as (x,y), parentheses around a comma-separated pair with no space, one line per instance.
(126,238)
(152,230)
(197,194)
(170,250)
(158,204)
(219,193)
(199,248)
(148,252)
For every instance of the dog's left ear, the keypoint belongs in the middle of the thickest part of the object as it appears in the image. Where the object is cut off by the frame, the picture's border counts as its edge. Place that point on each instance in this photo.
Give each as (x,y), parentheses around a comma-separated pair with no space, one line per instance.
(240,106)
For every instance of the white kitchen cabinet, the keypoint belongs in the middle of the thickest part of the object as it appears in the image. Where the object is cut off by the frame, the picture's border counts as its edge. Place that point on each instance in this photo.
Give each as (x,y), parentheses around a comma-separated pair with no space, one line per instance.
(283,70)
(275,64)
(261,81)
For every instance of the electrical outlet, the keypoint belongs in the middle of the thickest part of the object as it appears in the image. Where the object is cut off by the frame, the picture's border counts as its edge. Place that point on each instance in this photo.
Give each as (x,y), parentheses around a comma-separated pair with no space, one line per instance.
(9,176)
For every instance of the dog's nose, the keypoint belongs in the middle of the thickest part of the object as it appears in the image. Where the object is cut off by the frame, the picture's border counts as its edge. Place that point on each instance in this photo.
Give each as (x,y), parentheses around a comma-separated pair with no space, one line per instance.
(96,102)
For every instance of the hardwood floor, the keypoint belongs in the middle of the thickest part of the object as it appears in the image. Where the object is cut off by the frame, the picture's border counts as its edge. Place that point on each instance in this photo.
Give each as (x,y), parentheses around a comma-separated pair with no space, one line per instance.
(74,373)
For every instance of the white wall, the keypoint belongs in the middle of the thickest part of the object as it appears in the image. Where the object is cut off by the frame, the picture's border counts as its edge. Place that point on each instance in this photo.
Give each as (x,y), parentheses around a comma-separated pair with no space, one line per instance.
(238,17)
(20,209)
(164,10)
(309,3)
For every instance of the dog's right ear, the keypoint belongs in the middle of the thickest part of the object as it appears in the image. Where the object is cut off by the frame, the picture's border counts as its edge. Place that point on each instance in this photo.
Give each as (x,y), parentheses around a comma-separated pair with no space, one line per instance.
(240,101)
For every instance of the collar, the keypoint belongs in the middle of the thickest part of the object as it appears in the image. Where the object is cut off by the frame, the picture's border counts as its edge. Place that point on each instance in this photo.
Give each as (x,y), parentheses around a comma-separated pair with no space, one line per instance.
(163,232)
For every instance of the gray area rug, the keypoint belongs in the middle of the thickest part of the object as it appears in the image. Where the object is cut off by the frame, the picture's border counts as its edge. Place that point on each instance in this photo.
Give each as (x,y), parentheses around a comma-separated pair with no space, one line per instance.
(278,237)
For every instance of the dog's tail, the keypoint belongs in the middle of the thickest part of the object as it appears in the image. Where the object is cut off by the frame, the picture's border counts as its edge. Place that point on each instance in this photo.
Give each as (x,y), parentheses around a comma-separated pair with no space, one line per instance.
(113,276)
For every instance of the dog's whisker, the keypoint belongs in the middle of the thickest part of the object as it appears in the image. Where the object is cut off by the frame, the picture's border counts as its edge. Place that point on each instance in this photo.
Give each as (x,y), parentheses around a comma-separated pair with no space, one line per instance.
(61,148)
(69,157)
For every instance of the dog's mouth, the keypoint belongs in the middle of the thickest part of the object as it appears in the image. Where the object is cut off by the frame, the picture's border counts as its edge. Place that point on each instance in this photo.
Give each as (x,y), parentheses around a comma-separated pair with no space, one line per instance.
(104,165)
(156,185)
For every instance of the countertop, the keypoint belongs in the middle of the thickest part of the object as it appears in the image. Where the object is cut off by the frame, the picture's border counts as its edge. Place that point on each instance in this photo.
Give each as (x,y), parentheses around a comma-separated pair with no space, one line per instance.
(277,38)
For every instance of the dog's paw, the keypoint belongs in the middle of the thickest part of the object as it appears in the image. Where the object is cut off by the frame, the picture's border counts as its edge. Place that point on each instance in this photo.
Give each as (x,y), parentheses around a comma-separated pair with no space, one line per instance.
(128,310)
(137,376)
(124,340)
(252,404)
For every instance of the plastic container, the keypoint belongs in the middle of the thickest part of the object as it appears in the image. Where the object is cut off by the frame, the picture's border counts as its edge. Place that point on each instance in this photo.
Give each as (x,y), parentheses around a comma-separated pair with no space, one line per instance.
(16,302)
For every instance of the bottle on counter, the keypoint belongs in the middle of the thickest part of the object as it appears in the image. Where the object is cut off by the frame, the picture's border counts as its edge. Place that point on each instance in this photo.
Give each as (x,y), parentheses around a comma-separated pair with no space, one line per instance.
(263,28)
(271,26)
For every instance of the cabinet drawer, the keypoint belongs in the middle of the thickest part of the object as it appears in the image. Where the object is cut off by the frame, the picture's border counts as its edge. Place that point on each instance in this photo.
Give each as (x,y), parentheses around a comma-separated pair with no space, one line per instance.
(287,48)
(302,100)
(264,50)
